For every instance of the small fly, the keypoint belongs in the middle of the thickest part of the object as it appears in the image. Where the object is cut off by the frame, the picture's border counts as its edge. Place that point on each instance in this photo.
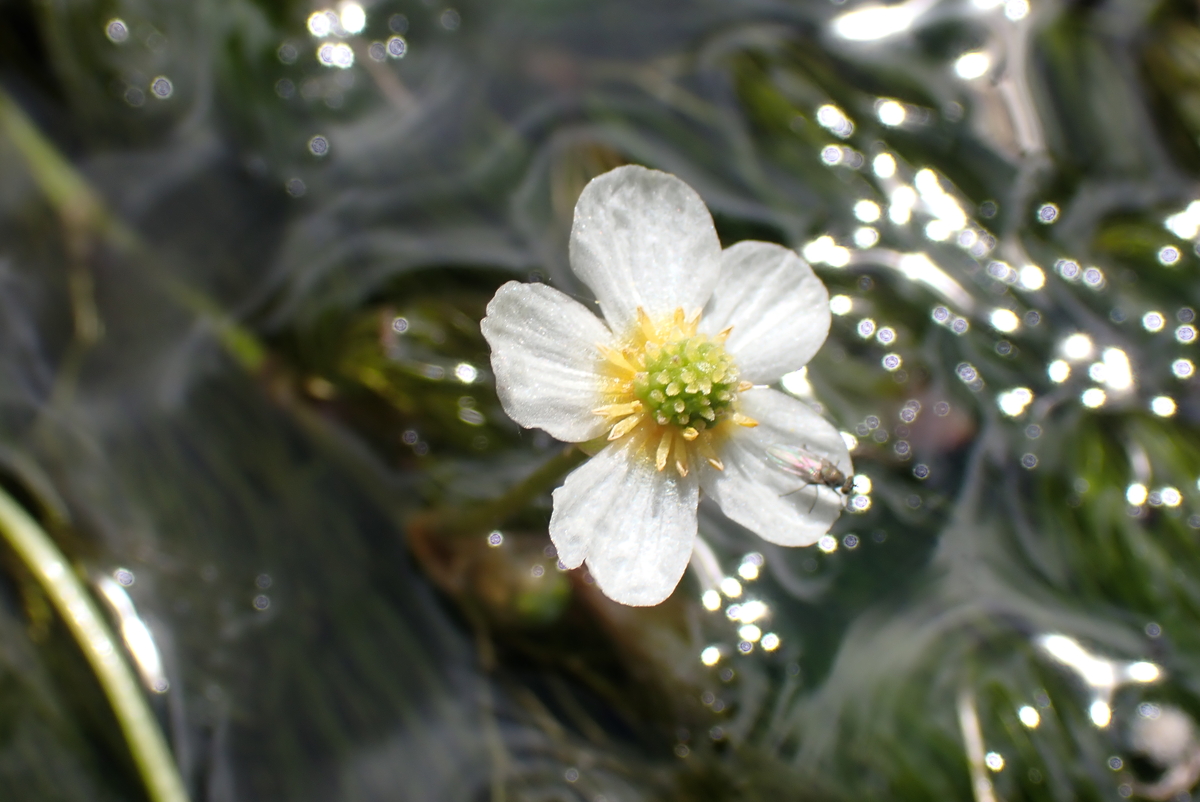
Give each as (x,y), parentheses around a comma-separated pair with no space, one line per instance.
(812,468)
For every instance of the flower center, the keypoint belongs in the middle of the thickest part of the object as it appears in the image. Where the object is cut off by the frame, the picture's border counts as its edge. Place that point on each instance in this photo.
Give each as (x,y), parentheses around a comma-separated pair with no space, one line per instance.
(690,382)
(670,389)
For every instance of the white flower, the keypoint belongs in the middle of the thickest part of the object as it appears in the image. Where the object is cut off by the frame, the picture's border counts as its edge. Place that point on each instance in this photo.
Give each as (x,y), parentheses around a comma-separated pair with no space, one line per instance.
(671,375)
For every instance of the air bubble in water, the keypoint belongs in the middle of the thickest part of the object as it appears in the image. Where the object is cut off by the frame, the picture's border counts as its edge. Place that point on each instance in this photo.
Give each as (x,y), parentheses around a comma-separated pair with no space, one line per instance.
(161,87)
(1048,213)
(117,31)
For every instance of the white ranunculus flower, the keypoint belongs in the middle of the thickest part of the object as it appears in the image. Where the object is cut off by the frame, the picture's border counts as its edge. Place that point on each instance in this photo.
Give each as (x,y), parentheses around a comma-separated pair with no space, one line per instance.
(673,375)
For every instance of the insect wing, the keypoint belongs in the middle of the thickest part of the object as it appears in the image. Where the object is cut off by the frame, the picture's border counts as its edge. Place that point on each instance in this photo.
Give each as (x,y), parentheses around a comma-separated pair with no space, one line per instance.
(797,462)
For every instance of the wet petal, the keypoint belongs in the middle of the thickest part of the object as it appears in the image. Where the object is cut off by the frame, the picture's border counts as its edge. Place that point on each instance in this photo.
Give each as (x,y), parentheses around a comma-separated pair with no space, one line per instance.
(757,493)
(545,359)
(635,525)
(644,238)
(777,306)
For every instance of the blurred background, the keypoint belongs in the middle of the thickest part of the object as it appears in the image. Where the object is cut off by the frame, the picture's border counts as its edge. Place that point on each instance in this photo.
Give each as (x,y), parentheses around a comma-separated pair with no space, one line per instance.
(245,246)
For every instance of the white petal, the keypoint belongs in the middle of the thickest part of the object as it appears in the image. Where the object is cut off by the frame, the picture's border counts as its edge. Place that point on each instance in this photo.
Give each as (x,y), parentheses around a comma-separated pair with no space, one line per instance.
(635,525)
(777,306)
(544,357)
(644,238)
(758,494)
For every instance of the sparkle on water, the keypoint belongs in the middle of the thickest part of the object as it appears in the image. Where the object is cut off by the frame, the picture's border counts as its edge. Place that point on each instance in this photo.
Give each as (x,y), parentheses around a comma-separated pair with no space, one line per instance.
(884,165)
(1185,224)
(1005,320)
(1013,402)
(1100,713)
(1093,397)
(1163,406)
(835,120)
(972,65)
(867,210)
(1032,277)
(731,587)
(877,22)
(1058,371)
(891,113)
(1077,346)
(750,633)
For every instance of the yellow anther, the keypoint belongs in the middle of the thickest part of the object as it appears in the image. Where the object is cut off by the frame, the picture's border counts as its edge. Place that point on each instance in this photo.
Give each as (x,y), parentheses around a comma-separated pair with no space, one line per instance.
(647,325)
(706,450)
(744,386)
(624,427)
(681,454)
(618,410)
(664,450)
(611,385)
(723,335)
(743,420)
(616,357)
(690,434)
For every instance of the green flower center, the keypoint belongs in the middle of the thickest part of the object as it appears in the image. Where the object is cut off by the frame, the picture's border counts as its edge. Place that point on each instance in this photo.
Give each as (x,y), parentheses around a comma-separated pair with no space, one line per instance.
(690,382)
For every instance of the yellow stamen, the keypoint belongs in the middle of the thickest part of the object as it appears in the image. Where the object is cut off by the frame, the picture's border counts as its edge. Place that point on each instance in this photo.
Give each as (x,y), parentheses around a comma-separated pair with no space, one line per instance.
(616,357)
(624,427)
(618,410)
(664,450)
(706,450)
(616,388)
(690,434)
(681,456)
(647,325)
(723,335)
(743,420)
(744,386)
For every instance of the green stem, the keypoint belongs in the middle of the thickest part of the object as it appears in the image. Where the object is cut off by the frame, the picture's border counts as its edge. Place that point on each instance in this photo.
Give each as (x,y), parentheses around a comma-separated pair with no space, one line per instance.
(85,214)
(68,595)
(497,511)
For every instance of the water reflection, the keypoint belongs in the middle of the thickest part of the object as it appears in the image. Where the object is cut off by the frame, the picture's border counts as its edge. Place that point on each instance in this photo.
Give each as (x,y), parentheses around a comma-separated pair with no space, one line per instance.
(1101,675)
(879,22)
(138,639)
